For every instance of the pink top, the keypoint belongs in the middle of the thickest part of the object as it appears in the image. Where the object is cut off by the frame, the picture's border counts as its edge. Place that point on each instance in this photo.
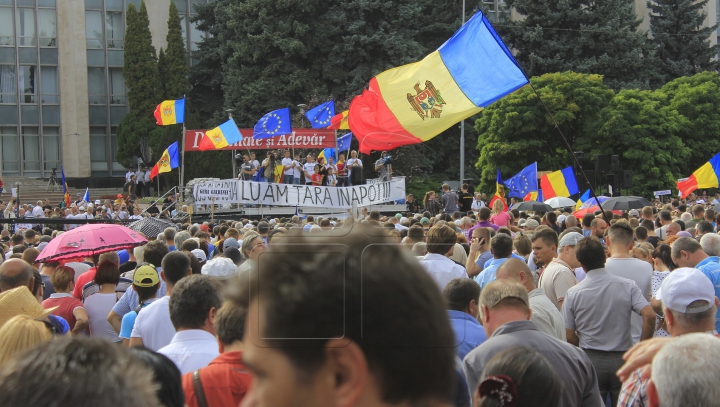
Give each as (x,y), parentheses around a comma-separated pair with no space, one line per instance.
(502,219)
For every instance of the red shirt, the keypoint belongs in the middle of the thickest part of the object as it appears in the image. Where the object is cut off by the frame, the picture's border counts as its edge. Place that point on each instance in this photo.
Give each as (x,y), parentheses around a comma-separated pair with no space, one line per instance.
(225,381)
(66,304)
(316,179)
(83,279)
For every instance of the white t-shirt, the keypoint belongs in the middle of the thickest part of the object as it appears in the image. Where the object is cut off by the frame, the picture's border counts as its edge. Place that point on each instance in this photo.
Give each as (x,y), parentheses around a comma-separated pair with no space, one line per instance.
(153,325)
(296,169)
(128,176)
(641,273)
(123,215)
(287,162)
(309,168)
(38,212)
(98,306)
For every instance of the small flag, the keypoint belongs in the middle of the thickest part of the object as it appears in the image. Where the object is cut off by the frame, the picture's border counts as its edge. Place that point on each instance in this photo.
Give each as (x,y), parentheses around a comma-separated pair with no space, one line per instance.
(66,193)
(534,196)
(340,121)
(221,136)
(168,161)
(523,182)
(321,115)
(343,142)
(585,196)
(86,197)
(170,112)
(499,192)
(559,183)
(273,124)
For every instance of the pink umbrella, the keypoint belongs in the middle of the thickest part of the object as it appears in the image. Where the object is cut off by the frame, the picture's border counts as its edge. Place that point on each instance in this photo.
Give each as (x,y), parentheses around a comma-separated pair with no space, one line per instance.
(88,240)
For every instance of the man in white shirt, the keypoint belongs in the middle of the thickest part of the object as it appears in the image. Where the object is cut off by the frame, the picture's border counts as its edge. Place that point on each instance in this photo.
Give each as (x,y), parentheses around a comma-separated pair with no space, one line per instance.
(622,264)
(193,305)
(288,166)
(296,169)
(441,241)
(38,211)
(146,186)
(309,169)
(254,161)
(153,328)
(128,175)
(559,275)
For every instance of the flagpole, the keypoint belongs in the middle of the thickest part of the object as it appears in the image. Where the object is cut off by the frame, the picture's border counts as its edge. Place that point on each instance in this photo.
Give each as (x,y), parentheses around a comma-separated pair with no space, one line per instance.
(182,167)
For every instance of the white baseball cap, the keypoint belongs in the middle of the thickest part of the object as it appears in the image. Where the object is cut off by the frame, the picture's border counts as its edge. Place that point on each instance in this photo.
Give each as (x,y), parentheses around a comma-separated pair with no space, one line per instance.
(570,239)
(220,267)
(684,286)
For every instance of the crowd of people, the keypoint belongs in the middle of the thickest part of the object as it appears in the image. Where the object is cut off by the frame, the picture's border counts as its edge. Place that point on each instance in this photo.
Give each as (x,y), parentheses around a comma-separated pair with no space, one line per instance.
(434,306)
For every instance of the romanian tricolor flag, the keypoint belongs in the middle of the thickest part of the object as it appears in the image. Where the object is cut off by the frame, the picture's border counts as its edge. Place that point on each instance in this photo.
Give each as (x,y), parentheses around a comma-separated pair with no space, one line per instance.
(559,183)
(499,192)
(416,102)
(221,136)
(339,122)
(534,196)
(66,193)
(170,112)
(168,161)
(704,177)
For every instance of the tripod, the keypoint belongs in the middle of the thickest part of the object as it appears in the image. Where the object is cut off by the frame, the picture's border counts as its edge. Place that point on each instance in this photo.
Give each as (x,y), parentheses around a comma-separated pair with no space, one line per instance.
(53,181)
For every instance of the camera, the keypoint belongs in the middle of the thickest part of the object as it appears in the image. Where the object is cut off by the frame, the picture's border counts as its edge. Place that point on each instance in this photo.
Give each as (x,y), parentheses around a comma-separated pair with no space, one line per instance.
(238,160)
(387,160)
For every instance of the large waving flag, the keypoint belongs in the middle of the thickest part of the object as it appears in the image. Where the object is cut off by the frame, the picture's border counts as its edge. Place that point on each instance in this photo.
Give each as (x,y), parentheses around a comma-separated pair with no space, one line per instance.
(559,183)
(320,116)
(584,197)
(170,112)
(523,182)
(414,103)
(343,142)
(221,136)
(499,192)
(273,124)
(66,193)
(168,161)
(326,154)
(704,177)
(339,122)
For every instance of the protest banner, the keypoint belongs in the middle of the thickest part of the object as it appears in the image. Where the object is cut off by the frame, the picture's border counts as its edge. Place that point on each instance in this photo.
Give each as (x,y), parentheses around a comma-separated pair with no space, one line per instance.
(300,138)
(263,193)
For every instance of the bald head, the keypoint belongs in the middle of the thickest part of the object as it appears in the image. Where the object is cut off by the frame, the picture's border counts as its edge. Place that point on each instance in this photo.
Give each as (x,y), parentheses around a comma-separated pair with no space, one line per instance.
(516,270)
(16,273)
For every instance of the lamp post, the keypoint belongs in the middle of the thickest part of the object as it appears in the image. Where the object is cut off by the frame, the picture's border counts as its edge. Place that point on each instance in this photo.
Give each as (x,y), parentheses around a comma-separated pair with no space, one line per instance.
(462,125)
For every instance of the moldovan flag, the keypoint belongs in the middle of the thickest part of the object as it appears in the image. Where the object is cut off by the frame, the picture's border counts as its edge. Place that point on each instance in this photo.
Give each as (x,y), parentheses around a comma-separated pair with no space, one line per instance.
(499,192)
(416,102)
(168,161)
(66,193)
(170,112)
(221,136)
(704,177)
(559,183)
(339,122)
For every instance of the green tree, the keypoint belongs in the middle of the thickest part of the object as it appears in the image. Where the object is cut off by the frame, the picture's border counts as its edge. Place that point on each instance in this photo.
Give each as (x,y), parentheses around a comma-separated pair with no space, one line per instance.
(682,43)
(516,130)
(644,130)
(588,36)
(137,129)
(697,98)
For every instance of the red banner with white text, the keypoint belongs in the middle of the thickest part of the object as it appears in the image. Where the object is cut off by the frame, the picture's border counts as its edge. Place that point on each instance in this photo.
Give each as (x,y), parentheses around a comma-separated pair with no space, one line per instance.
(299,138)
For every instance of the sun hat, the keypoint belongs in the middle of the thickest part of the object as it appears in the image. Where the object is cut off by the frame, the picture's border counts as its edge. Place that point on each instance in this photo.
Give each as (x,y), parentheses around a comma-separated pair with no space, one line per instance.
(199,254)
(220,267)
(20,301)
(146,276)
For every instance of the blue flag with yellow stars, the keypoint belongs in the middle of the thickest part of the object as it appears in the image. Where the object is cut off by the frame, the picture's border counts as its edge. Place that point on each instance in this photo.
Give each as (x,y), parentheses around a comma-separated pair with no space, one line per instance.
(275,123)
(321,115)
(523,182)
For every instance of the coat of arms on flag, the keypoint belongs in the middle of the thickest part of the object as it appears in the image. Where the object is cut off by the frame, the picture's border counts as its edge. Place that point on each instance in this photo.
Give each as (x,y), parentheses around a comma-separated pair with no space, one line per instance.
(428,102)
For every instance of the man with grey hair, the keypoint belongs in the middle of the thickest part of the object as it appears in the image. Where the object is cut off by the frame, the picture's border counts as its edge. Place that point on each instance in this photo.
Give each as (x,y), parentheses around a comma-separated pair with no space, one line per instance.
(505,313)
(545,315)
(689,305)
(687,252)
(685,372)
(559,276)
(570,222)
(710,243)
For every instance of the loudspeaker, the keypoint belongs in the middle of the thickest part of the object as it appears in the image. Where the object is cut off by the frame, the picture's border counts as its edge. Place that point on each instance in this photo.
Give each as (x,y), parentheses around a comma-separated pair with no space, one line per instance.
(601,163)
(580,157)
(591,177)
(627,180)
(614,180)
(614,163)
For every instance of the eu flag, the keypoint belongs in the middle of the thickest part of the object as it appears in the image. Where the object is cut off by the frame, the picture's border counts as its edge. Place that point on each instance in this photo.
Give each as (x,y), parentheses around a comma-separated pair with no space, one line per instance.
(273,124)
(321,115)
(523,182)
(343,142)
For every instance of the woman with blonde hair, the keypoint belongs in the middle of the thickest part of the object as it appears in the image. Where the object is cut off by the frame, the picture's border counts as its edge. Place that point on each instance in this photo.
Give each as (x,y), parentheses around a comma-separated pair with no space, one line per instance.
(499,216)
(431,204)
(19,333)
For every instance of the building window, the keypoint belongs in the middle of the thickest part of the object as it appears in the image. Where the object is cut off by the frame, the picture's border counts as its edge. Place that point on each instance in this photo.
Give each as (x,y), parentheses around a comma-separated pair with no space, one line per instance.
(494,10)
(191,35)
(47,27)
(8,84)
(115,29)
(25,26)
(7,33)
(117,86)
(49,85)
(93,29)
(27,79)
(10,149)
(96,86)
(31,148)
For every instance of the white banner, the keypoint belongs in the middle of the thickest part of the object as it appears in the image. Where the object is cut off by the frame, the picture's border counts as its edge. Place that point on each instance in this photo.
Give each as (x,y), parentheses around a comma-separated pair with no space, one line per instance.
(250,192)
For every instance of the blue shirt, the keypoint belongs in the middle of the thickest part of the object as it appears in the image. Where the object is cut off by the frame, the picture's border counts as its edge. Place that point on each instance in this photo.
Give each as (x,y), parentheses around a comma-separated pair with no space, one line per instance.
(711,268)
(484,258)
(128,321)
(512,256)
(488,275)
(129,300)
(468,332)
